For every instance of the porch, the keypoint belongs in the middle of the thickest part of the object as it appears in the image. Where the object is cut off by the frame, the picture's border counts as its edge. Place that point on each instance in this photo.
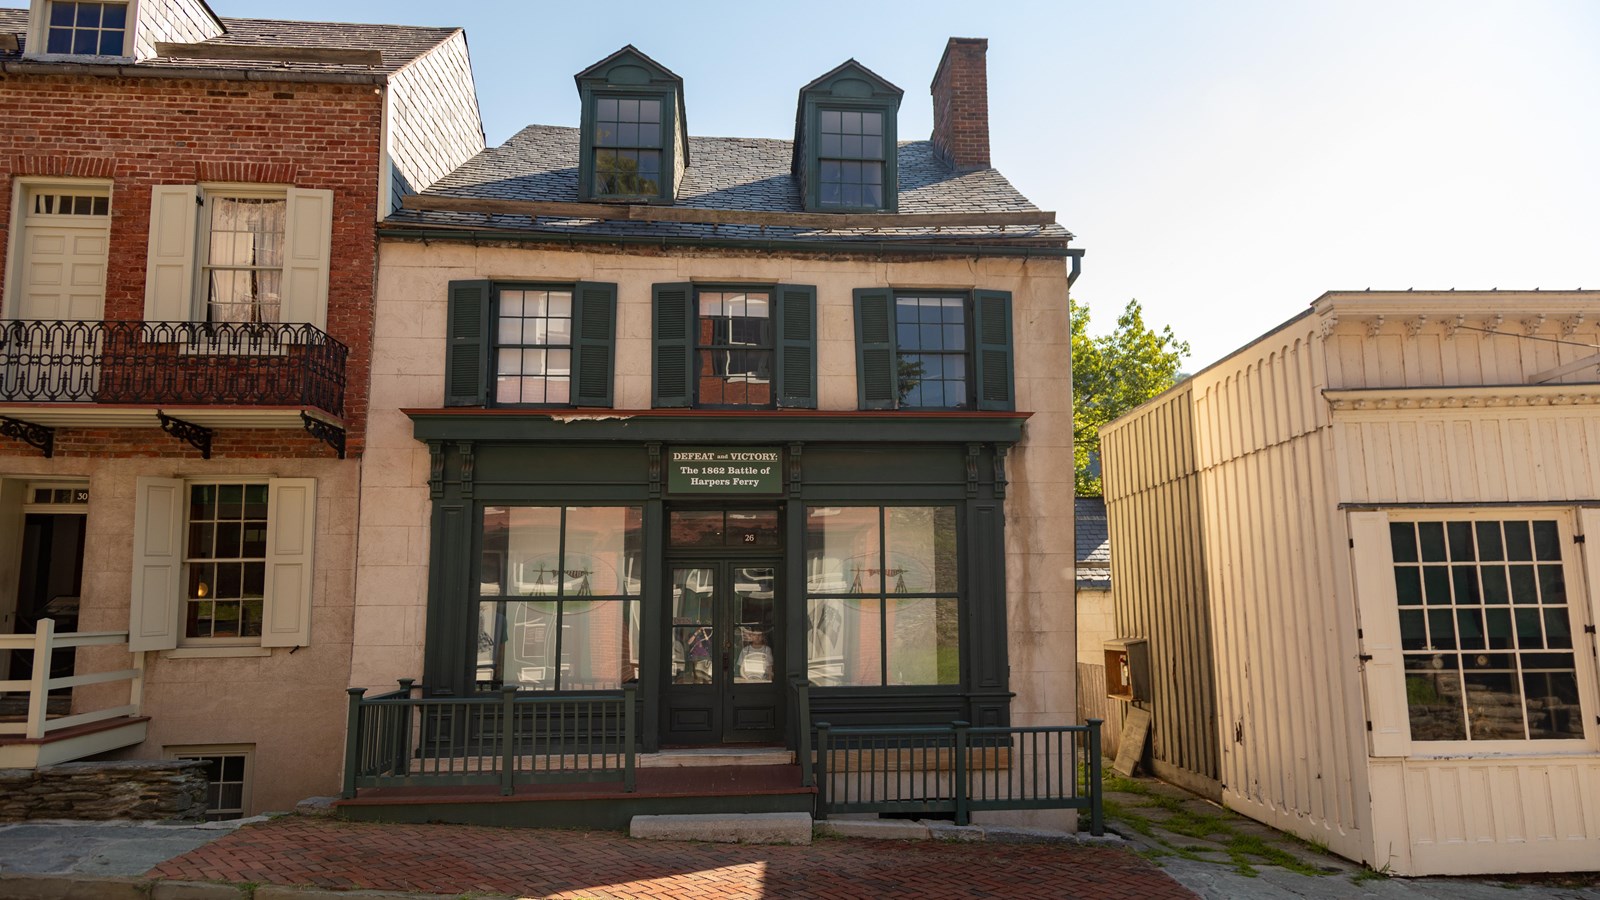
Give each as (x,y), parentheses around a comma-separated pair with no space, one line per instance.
(39,729)
(572,760)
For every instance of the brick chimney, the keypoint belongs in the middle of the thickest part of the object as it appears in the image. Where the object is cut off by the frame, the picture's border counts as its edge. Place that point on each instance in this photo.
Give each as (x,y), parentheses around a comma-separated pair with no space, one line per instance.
(961,104)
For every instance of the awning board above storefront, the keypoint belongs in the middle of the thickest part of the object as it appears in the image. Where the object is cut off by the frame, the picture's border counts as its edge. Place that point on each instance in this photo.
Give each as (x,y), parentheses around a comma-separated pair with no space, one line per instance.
(456,424)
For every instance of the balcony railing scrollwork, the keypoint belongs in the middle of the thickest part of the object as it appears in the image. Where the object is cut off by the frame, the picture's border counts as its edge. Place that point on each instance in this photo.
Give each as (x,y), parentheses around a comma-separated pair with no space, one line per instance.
(177,363)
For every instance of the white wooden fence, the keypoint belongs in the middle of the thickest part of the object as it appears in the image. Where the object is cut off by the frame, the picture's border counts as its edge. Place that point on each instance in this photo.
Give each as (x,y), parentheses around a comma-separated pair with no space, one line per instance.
(43,643)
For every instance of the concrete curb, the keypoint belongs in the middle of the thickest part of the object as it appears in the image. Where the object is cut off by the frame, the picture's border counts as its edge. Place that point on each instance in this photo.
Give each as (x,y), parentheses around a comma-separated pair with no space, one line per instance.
(73,887)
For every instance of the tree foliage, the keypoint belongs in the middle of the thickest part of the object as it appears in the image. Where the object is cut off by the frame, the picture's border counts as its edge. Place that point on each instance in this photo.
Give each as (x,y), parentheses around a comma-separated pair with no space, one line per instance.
(1112,374)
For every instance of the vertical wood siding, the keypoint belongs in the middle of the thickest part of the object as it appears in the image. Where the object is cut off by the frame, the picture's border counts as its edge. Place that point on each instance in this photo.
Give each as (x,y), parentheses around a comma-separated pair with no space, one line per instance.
(1152,499)
(1288,697)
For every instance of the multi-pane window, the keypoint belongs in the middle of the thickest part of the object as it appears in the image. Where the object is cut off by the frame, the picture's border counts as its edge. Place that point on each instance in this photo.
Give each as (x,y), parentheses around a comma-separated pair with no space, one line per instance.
(227,782)
(87,29)
(242,267)
(931,336)
(850,158)
(226,560)
(627,151)
(533,346)
(882,596)
(1486,630)
(733,349)
(53,204)
(558,593)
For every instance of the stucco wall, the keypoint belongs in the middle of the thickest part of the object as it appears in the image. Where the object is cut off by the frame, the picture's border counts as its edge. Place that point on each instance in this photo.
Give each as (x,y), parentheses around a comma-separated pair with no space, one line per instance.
(412,280)
(290,705)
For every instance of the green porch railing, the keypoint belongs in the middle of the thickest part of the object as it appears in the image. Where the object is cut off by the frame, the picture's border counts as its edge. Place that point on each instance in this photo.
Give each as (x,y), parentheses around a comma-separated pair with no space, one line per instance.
(401,740)
(959,769)
(800,704)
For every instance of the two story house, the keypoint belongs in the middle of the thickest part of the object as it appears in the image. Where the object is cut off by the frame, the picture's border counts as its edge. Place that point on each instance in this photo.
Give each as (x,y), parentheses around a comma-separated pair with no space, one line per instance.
(187,216)
(705,418)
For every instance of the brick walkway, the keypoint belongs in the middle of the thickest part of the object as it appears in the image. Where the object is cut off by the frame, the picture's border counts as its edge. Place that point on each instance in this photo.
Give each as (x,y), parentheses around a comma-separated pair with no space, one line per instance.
(296,850)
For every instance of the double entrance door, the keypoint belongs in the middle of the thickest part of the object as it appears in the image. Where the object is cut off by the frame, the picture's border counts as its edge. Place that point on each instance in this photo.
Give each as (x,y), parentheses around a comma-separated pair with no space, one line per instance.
(724,662)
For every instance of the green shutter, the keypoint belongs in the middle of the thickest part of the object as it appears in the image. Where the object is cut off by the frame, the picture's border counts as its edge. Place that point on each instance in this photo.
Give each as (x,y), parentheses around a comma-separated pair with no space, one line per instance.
(673,310)
(876,384)
(594,341)
(466,360)
(992,326)
(797,346)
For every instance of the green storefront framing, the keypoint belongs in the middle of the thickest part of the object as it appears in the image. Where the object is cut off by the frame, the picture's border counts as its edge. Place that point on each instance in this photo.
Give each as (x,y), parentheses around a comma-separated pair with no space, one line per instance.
(489,457)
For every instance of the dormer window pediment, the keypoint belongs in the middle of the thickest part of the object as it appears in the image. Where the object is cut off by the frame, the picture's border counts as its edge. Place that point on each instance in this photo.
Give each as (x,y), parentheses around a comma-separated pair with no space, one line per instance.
(845,143)
(634,146)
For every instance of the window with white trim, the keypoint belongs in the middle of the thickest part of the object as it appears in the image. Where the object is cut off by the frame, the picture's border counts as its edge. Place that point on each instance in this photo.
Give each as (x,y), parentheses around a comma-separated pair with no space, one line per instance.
(238,253)
(220,566)
(226,562)
(1491,629)
(228,776)
(81,28)
(241,269)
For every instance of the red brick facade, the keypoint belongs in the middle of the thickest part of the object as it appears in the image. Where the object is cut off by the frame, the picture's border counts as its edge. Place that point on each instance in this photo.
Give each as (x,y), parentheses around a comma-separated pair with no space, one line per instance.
(961,104)
(141,132)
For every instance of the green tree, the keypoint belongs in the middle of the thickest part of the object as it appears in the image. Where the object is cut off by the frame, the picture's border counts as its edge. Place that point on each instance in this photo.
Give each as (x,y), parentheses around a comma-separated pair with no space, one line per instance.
(1113,373)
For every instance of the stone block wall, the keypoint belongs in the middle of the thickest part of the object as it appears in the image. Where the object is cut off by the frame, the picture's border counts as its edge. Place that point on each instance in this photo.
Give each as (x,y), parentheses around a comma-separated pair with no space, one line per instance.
(153,790)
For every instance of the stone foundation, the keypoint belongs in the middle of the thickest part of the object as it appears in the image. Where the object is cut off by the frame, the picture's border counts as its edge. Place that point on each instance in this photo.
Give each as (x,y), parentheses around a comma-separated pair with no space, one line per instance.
(143,790)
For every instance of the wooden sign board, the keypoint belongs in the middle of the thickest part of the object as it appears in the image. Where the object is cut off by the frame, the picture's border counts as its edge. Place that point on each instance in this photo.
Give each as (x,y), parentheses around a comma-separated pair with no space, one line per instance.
(1135,731)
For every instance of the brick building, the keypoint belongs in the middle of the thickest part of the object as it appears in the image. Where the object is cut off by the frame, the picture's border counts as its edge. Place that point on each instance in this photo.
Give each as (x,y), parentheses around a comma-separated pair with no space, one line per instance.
(187,215)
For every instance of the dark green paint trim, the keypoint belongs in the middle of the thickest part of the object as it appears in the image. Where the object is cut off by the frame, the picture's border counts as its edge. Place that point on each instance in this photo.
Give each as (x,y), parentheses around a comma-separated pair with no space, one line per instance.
(743,429)
(1055,250)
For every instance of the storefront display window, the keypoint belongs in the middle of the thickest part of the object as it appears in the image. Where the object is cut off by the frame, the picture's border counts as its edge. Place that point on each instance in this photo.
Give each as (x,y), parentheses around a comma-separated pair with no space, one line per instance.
(558,597)
(882,605)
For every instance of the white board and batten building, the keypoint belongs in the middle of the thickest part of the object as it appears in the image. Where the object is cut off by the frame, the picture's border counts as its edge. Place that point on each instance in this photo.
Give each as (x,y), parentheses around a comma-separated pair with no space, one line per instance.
(1380,513)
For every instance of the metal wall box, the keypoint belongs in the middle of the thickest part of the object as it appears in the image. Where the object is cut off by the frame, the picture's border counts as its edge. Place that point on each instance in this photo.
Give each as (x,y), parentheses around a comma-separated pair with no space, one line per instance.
(1128,669)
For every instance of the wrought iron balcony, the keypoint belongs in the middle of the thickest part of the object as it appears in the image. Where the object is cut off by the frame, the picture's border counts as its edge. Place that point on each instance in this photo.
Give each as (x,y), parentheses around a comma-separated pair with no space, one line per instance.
(190,377)
(172,363)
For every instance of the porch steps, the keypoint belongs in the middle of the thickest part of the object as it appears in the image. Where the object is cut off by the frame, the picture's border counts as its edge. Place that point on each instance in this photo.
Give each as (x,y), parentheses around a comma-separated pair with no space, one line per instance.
(68,744)
(725,828)
(660,790)
(691,757)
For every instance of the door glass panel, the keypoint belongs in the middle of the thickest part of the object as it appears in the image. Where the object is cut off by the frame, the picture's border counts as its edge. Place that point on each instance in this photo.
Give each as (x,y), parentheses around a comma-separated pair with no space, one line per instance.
(693,625)
(753,617)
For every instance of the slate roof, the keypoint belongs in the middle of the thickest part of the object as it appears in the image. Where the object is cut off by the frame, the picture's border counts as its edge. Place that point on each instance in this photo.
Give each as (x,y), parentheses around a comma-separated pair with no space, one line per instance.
(541,163)
(1094,544)
(399,44)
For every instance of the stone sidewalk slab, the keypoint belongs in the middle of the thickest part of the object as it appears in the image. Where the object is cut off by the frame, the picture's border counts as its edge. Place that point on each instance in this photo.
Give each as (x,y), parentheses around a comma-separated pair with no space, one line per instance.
(98,848)
(725,828)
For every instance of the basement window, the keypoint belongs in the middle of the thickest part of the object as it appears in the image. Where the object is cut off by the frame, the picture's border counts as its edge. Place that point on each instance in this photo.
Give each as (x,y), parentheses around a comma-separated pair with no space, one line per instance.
(227,777)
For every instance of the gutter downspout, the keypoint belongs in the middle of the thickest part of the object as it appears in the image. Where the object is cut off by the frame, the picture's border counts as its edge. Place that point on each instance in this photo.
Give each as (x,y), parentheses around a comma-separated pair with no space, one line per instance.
(1077,267)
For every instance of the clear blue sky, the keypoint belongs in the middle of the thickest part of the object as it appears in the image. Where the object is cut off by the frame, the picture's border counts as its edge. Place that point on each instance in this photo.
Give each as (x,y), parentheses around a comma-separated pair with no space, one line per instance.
(1224,163)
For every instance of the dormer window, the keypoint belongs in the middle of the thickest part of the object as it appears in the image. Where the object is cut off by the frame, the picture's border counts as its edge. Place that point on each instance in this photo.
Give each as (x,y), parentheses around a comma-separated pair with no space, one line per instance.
(850,158)
(844,143)
(87,29)
(627,147)
(634,146)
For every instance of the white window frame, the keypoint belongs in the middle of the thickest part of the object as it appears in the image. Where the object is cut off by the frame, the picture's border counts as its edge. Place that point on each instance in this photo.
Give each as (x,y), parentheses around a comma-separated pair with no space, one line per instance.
(184,638)
(203,236)
(23,189)
(247,751)
(1388,710)
(159,596)
(39,33)
(175,286)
